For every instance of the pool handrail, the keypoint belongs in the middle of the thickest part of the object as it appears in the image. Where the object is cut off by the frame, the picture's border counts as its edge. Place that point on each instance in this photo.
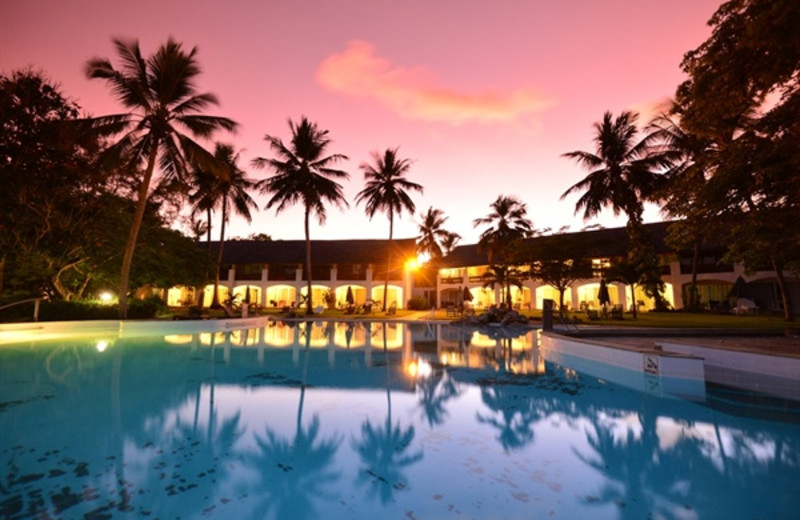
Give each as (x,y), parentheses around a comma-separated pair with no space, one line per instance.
(36,303)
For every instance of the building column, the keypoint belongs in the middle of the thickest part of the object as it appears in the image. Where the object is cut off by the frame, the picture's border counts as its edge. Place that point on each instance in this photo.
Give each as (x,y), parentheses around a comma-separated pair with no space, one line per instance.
(264,279)
(437,288)
(408,283)
(622,296)
(298,283)
(231,281)
(573,293)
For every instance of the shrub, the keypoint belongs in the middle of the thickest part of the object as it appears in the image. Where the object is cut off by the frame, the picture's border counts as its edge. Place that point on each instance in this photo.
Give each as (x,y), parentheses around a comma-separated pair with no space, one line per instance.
(145,309)
(418,304)
(60,310)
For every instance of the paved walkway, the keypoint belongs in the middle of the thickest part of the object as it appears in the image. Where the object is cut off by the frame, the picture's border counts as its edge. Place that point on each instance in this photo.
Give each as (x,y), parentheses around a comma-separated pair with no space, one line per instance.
(785,346)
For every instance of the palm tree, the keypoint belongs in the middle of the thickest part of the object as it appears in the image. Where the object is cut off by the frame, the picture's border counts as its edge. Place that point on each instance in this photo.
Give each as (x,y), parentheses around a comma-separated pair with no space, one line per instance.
(162,99)
(432,233)
(505,276)
(622,170)
(685,186)
(449,242)
(508,222)
(303,173)
(387,190)
(624,173)
(230,192)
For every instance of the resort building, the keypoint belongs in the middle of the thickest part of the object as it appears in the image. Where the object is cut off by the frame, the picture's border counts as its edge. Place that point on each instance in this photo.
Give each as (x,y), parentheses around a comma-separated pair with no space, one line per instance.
(272,274)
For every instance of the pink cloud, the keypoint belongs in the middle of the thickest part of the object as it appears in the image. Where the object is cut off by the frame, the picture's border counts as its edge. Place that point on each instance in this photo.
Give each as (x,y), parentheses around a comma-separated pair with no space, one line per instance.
(415,93)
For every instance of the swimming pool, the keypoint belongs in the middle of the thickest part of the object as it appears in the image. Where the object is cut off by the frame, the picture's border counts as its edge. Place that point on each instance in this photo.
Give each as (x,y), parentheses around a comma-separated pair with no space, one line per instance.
(359,420)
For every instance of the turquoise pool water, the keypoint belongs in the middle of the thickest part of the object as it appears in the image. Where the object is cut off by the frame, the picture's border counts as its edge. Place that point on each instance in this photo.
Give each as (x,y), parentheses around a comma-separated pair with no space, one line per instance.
(336,420)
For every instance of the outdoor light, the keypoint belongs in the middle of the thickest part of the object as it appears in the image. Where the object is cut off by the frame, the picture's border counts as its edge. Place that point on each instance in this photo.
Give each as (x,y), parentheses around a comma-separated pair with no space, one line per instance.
(423,258)
(419,368)
(102,345)
(105,297)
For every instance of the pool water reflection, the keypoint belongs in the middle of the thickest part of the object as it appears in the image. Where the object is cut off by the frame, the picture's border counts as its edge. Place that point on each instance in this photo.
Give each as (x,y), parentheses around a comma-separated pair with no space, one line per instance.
(337,420)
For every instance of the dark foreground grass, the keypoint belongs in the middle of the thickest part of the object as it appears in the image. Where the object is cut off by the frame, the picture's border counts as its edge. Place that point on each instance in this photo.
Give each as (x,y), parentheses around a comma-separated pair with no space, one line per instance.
(689,320)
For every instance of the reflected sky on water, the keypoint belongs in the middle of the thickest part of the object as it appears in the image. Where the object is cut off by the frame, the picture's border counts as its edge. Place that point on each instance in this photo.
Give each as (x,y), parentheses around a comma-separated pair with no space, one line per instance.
(305,421)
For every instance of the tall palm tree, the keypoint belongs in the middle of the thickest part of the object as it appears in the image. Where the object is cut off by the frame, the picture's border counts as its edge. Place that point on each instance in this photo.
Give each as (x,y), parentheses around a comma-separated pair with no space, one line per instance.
(387,190)
(505,276)
(432,233)
(622,169)
(227,193)
(508,222)
(685,185)
(163,103)
(303,173)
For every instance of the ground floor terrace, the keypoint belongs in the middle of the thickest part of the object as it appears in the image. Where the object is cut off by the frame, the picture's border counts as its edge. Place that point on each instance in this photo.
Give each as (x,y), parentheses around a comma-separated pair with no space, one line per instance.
(716,292)
(730,291)
(363,294)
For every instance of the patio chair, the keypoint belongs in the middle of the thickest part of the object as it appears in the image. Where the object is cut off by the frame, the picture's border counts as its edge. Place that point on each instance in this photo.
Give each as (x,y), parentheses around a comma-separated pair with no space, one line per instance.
(616,312)
(745,306)
(592,314)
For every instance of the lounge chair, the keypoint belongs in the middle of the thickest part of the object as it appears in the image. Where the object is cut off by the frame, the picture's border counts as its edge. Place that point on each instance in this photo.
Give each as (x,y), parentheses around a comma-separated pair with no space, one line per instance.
(745,306)
(229,312)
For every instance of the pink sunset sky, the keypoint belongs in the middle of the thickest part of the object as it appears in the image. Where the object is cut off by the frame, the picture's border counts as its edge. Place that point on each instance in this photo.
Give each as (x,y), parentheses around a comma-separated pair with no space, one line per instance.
(484,96)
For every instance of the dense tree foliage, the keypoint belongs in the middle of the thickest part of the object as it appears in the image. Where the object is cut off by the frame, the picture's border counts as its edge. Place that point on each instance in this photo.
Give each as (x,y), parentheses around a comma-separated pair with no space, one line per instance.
(743,97)
(49,187)
(558,261)
(62,210)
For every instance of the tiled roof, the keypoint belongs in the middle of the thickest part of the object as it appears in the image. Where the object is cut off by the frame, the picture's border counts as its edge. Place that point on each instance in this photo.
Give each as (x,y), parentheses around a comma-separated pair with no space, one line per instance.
(603,243)
(322,251)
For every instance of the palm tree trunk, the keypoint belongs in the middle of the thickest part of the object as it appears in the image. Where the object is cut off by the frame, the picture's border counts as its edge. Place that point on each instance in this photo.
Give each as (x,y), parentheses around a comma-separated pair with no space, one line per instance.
(215,302)
(633,299)
(788,312)
(309,311)
(200,296)
(2,270)
(388,261)
(133,235)
(694,303)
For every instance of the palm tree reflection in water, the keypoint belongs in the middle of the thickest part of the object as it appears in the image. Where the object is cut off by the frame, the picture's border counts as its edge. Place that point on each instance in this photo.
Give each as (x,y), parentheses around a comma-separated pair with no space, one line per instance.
(382,449)
(294,472)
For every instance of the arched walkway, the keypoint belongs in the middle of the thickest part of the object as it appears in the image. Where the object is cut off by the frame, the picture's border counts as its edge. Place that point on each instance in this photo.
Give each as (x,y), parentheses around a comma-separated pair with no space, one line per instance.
(547,292)
(208,294)
(318,294)
(240,294)
(394,296)
(359,295)
(281,295)
(181,296)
